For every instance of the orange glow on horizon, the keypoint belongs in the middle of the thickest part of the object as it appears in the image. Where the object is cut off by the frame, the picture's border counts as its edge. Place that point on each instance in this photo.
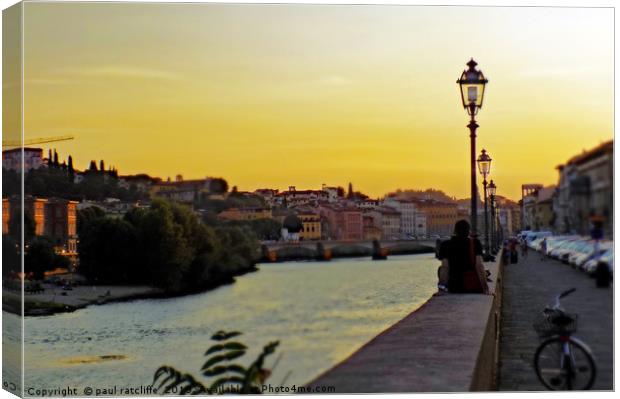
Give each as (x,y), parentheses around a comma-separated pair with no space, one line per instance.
(279,95)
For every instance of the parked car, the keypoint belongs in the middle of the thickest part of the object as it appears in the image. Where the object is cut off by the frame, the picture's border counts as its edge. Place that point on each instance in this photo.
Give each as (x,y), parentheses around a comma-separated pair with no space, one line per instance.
(561,247)
(607,257)
(579,260)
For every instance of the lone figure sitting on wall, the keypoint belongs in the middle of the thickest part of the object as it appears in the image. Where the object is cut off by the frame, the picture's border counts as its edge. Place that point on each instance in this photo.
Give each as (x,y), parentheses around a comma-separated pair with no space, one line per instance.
(461,269)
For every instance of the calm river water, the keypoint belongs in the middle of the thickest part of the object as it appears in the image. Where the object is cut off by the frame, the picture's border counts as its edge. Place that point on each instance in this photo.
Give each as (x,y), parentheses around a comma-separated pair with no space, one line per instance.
(320,311)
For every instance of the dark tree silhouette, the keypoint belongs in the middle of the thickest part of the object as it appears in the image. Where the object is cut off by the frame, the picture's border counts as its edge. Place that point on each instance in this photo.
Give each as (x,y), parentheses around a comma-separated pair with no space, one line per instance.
(350,192)
(55,158)
(93,166)
(101,166)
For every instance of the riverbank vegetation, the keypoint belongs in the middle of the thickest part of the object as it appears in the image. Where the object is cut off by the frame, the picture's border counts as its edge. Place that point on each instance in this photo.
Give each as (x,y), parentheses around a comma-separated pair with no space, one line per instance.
(165,245)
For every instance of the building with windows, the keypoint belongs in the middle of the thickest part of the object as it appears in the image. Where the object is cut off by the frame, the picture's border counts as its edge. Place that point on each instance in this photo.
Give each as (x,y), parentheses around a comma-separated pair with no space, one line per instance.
(440,216)
(311,222)
(55,218)
(342,222)
(585,191)
(245,214)
(388,219)
(12,159)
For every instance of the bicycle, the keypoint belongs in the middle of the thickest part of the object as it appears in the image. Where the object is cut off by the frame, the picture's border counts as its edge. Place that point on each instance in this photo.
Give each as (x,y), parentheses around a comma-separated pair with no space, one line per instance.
(562,361)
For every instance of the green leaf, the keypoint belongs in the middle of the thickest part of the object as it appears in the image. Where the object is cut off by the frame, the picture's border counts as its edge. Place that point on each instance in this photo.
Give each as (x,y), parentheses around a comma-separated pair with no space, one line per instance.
(234,354)
(220,358)
(214,348)
(215,371)
(223,335)
(228,345)
(213,360)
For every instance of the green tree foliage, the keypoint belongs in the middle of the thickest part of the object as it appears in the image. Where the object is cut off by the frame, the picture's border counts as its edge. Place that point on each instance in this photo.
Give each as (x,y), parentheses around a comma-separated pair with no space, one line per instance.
(167,246)
(293,224)
(15,228)
(223,375)
(86,217)
(106,253)
(218,186)
(263,229)
(40,257)
(11,262)
(56,182)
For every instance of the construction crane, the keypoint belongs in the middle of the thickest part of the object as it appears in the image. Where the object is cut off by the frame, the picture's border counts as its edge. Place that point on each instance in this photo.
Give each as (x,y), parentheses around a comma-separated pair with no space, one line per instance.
(40,140)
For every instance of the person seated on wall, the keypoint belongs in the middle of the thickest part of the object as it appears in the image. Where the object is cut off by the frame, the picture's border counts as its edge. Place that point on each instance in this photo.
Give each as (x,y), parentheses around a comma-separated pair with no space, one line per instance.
(461,269)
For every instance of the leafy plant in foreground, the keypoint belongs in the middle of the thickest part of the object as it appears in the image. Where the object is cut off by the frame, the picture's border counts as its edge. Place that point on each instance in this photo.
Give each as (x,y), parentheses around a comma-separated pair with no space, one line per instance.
(225,376)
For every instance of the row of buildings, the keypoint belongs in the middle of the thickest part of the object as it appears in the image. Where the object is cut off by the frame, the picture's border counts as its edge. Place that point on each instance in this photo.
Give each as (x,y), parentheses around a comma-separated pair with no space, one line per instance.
(582,196)
(327,213)
(55,218)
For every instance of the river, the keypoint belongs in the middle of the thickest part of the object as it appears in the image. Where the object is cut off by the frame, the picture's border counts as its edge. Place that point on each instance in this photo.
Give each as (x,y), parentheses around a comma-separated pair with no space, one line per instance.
(320,312)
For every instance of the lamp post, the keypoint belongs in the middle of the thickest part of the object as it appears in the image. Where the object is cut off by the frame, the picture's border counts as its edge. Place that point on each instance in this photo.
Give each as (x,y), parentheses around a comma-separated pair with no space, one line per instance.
(472,83)
(484,166)
(491,191)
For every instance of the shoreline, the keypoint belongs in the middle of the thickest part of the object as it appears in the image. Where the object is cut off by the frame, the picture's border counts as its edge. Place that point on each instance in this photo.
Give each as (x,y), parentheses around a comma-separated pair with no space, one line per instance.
(86,295)
(83,296)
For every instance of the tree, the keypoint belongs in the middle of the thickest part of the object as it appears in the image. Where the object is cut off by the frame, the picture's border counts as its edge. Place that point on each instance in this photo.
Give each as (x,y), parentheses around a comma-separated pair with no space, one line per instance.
(218,186)
(93,166)
(166,245)
(107,254)
(15,226)
(86,217)
(340,192)
(49,158)
(40,257)
(293,224)
(55,159)
(350,192)
(101,166)
(11,261)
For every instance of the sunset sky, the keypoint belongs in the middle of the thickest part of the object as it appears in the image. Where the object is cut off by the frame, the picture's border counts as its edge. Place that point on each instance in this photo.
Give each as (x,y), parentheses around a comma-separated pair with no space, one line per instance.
(279,95)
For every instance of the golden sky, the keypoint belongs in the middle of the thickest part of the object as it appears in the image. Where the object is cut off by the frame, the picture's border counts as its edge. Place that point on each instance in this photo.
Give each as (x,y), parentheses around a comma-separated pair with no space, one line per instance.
(279,95)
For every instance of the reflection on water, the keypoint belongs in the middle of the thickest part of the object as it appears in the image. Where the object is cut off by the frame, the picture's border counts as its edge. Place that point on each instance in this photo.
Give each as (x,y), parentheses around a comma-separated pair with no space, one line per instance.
(320,311)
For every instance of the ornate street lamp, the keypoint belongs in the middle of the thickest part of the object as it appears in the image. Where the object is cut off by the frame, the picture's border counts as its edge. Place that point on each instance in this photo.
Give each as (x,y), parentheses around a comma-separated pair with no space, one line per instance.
(472,83)
(484,166)
(491,189)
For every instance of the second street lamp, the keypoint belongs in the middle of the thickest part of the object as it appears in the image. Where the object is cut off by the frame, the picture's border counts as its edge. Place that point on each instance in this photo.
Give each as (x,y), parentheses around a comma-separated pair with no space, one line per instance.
(472,83)
(484,166)
(491,192)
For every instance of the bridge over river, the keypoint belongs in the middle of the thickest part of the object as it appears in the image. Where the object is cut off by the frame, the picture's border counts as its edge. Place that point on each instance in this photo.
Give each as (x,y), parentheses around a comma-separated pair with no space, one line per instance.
(333,248)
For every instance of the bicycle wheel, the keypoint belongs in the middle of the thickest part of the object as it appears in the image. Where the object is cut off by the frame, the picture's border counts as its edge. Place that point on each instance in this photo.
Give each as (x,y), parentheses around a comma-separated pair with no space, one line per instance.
(558,370)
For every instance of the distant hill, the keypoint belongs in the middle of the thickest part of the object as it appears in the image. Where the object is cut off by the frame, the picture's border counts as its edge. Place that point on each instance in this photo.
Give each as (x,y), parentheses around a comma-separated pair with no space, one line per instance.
(430,193)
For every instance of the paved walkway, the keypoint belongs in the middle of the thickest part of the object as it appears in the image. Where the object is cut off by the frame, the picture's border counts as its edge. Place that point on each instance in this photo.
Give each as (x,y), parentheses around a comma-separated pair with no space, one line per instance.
(528,286)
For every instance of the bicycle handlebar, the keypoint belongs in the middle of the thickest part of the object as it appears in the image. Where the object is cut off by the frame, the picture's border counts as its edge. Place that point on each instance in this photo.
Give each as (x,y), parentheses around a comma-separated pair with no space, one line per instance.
(567,292)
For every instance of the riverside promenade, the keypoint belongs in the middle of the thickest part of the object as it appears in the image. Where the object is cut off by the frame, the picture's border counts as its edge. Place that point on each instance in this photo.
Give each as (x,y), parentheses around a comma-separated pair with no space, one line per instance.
(528,286)
(447,345)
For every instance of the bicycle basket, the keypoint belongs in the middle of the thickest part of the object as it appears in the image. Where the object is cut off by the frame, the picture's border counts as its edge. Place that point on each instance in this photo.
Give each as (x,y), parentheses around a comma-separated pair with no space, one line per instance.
(549,324)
